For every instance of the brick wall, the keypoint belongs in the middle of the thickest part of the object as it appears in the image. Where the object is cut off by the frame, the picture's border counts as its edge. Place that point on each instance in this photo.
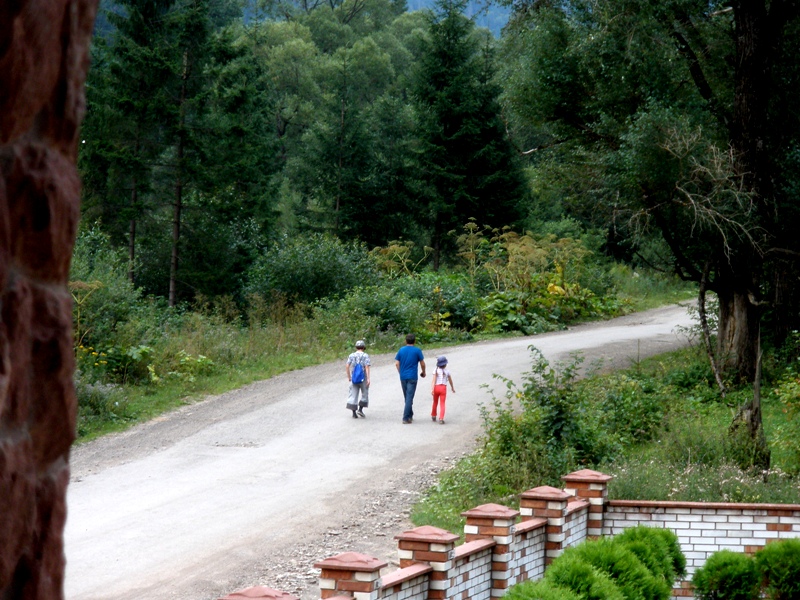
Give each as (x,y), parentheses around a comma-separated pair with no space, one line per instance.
(705,527)
(500,551)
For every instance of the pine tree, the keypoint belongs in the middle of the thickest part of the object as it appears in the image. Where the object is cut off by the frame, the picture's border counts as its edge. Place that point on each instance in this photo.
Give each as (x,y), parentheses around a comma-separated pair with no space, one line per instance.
(470,169)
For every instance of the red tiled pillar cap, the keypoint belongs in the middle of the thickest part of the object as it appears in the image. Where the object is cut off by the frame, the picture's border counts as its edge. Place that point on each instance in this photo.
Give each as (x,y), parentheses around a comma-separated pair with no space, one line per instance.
(428,533)
(259,592)
(587,475)
(491,511)
(352,561)
(546,492)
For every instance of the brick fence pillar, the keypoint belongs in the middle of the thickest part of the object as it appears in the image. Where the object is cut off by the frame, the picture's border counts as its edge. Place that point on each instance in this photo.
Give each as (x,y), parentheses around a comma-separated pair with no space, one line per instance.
(592,486)
(350,574)
(550,503)
(259,593)
(431,546)
(496,522)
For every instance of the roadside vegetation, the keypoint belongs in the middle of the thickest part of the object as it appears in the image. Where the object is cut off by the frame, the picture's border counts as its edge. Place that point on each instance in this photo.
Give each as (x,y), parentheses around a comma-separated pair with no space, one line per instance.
(308,299)
(661,428)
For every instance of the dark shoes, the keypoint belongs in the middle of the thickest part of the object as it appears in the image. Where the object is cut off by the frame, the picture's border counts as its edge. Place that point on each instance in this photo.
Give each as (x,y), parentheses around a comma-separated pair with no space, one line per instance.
(433,418)
(406,421)
(361,413)
(355,416)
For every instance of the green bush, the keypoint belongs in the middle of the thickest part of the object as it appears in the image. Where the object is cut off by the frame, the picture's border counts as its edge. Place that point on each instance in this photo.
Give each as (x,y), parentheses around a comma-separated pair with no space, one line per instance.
(633,409)
(388,309)
(540,590)
(306,268)
(727,576)
(779,566)
(442,293)
(632,577)
(98,402)
(590,583)
(658,549)
(103,297)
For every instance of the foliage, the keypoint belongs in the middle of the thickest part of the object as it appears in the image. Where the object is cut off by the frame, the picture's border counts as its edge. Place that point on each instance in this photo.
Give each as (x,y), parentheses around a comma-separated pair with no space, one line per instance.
(311,267)
(103,298)
(467,167)
(609,568)
(658,428)
(658,549)
(778,564)
(633,578)
(389,309)
(540,590)
(98,402)
(787,392)
(529,280)
(630,112)
(571,572)
(727,575)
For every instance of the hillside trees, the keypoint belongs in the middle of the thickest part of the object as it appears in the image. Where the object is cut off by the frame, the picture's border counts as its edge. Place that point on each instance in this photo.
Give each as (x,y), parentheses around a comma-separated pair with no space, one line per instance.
(468,166)
(122,132)
(208,138)
(675,117)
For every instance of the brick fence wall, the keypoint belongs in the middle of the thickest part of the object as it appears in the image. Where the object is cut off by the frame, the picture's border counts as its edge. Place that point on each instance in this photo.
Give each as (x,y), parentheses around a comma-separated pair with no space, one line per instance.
(504,546)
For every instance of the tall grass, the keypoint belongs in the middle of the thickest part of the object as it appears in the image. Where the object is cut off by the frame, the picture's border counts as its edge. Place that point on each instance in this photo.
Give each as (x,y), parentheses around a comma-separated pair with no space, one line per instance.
(660,429)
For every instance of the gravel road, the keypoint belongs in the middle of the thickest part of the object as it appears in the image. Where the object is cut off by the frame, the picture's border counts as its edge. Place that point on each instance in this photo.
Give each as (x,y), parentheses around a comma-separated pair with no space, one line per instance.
(253,486)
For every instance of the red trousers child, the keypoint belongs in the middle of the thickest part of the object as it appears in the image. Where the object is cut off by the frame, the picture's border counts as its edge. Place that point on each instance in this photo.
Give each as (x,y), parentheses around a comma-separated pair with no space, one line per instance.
(439,399)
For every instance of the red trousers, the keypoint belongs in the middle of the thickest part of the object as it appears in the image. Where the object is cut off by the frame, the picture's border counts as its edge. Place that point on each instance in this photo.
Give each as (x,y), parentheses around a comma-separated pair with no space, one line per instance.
(439,398)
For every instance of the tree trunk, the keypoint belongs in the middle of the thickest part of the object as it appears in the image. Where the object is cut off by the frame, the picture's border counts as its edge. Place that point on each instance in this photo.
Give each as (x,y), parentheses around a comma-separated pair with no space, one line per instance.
(132,234)
(176,213)
(737,335)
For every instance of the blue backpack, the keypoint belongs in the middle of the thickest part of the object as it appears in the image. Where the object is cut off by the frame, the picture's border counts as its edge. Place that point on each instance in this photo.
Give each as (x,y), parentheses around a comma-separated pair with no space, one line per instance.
(358,374)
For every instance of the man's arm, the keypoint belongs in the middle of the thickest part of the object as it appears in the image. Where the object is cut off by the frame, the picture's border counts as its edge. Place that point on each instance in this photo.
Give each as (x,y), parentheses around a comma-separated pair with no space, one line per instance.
(397,365)
(422,368)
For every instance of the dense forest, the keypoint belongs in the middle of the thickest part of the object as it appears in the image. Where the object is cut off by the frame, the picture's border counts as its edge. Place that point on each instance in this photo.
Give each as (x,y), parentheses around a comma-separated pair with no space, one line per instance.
(656,133)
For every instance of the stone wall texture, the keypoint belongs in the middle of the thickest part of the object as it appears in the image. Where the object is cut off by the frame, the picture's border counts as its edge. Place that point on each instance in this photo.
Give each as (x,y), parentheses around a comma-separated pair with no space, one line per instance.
(44,50)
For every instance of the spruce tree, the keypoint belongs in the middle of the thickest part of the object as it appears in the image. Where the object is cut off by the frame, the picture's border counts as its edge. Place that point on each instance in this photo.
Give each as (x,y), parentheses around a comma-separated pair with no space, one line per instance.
(469,168)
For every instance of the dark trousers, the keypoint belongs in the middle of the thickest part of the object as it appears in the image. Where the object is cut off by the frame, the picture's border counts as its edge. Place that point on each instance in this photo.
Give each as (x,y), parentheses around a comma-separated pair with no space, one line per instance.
(409,389)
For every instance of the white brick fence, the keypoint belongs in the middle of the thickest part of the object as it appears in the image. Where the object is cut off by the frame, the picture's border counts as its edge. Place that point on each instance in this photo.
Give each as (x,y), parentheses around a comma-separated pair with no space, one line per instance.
(500,551)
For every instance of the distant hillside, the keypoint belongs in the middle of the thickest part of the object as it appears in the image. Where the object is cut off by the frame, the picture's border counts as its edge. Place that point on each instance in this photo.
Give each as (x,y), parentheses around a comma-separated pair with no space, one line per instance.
(493,17)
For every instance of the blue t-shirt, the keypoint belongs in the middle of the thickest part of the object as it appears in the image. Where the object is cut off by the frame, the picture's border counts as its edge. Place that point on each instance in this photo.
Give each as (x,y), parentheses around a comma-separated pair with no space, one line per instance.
(409,357)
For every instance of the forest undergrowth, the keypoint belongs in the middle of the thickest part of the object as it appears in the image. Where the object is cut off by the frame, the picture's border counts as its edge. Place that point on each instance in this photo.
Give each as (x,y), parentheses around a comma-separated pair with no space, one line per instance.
(660,428)
(307,301)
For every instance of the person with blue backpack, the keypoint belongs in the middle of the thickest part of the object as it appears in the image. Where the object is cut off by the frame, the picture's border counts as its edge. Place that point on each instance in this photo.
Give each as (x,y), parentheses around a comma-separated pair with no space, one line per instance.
(358,375)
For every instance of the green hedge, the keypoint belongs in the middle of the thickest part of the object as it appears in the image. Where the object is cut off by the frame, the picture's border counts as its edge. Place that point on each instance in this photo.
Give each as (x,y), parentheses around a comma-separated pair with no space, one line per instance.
(773,573)
(639,565)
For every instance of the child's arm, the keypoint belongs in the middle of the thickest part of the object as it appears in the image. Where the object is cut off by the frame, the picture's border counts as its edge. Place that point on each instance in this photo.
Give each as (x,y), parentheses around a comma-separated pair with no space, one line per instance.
(452,387)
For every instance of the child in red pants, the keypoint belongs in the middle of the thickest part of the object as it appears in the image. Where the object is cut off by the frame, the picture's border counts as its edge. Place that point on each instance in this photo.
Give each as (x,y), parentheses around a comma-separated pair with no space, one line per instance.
(439,381)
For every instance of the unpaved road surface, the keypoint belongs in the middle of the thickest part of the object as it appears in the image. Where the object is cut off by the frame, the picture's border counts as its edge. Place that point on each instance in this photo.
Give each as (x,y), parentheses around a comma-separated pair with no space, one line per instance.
(254,486)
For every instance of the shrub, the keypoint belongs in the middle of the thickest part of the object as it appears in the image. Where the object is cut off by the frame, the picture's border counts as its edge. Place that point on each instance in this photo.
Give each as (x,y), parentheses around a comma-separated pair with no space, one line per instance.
(540,590)
(571,572)
(727,575)
(658,549)
(98,402)
(779,566)
(450,294)
(310,267)
(633,411)
(625,569)
(103,298)
(389,309)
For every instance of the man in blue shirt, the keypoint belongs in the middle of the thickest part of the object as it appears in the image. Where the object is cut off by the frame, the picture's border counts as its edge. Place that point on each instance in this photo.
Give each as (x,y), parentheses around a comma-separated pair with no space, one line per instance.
(406,362)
